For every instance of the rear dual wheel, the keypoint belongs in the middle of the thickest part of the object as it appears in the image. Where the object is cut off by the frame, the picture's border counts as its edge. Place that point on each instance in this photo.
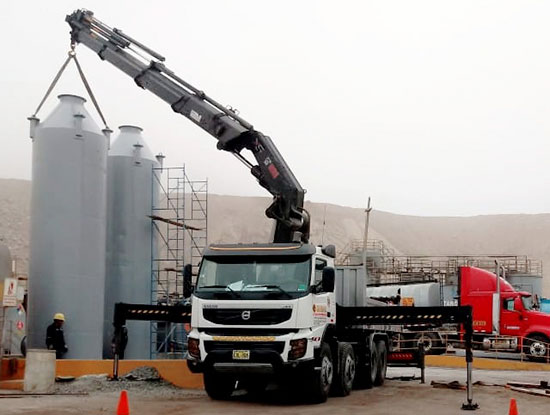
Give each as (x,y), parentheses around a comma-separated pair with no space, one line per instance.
(372,372)
(382,363)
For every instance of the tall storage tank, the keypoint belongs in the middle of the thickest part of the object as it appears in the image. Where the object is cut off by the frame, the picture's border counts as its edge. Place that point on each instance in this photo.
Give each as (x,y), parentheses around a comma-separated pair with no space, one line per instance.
(5,262)
(68,226)
(131,192)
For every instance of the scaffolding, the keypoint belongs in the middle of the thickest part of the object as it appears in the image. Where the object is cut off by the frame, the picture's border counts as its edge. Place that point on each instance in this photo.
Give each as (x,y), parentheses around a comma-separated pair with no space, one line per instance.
(179,236)
(385,267)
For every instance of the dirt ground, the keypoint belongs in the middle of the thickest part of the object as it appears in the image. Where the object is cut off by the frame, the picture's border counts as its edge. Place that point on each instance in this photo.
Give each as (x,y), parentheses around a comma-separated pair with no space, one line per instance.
(397,396)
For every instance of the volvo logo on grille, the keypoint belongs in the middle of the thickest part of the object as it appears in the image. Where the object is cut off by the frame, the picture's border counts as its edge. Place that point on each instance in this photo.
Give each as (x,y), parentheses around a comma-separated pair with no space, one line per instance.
(245,315)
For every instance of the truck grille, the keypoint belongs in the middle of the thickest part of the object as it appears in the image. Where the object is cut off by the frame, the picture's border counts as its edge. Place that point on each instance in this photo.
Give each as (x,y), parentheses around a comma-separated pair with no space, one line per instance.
(244,316)
(210,345)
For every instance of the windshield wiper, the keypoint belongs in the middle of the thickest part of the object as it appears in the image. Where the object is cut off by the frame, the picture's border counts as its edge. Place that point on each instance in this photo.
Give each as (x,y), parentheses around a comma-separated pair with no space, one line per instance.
(271,286)
(236,294)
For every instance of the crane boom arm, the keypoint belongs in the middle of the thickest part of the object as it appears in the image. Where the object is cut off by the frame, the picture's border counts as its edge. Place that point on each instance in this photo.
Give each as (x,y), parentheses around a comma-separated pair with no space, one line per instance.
(233,133)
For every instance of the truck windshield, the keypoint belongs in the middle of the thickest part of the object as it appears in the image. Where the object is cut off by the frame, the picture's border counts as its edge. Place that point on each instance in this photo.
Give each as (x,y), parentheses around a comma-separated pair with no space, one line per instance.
(254,277)
(527,302)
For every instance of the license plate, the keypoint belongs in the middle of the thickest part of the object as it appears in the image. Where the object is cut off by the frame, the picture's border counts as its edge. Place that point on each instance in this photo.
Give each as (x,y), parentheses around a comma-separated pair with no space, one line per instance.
(241,354)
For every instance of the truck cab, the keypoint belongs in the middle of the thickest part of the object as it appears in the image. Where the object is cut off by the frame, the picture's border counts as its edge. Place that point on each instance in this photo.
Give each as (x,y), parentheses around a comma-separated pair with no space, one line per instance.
(507,322)
(259,310)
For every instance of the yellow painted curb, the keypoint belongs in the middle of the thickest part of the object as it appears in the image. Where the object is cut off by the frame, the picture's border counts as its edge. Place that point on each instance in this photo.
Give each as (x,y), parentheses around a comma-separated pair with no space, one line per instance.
(173,371)
(481,363)
(16,385)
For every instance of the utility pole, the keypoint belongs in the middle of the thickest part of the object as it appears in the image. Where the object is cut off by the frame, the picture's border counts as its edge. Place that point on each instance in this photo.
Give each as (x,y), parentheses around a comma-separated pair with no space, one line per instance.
(324,223)
(365,238)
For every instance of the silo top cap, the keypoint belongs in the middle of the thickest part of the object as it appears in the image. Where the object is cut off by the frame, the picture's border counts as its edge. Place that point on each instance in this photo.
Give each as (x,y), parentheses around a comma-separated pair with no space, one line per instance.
(130,127)
(71,97)
(125,143)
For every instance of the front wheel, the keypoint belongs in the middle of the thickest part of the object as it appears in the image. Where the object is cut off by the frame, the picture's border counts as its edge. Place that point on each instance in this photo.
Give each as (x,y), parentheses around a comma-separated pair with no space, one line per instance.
(322,376)
(536,347)
(218,386)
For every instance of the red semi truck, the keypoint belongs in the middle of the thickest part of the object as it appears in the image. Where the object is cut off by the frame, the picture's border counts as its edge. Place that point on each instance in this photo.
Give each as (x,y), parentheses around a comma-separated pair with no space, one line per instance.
(503,318)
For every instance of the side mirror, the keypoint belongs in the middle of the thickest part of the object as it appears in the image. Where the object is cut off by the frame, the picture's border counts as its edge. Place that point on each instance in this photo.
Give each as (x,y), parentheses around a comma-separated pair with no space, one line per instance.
(329,250)
(187,281)
(327,282)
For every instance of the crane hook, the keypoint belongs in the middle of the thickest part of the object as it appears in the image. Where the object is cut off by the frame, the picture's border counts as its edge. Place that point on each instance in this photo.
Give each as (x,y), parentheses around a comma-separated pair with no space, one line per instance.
(72,52)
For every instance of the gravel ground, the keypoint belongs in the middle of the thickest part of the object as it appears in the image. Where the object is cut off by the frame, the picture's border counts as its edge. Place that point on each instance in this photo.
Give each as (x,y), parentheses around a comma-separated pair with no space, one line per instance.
(144,379)
(401,397)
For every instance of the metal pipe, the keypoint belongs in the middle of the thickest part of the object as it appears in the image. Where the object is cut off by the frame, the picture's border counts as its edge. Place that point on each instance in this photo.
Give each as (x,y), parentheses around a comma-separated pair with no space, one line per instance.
(365,238)
(468,329)
(497,301)
(115,367)
(469,396)
(140,45)
(243,160)
(422,362)
(34,121)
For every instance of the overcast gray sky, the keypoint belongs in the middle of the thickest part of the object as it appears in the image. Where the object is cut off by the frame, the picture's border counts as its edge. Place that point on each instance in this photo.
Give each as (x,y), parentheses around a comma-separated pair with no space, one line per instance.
(431,107)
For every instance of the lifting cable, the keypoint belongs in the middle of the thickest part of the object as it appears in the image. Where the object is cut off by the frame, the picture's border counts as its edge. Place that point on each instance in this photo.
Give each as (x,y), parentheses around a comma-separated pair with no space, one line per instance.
(72,56)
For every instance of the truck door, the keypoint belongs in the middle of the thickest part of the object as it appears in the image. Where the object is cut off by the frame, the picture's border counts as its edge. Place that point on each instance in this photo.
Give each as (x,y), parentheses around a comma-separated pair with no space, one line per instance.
(512,322)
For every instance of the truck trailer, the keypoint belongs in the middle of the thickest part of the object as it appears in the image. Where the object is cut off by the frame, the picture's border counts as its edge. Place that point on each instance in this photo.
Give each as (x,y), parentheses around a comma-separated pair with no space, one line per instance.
(504,319)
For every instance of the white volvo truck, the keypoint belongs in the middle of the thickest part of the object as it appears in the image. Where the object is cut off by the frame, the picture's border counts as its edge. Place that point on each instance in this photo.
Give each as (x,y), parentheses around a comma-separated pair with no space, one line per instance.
(262,312)
(265,312)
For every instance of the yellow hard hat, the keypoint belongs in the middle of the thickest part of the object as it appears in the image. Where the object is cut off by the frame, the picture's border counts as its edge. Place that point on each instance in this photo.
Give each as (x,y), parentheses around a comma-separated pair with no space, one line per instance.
(59,316)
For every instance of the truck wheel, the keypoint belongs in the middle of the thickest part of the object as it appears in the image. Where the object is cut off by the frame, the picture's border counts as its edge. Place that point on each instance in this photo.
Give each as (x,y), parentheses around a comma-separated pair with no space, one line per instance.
(218,386)
(536,347)
(431,342)
(366,369)
(345,374)
(382,363)
(322,376)
(374,360)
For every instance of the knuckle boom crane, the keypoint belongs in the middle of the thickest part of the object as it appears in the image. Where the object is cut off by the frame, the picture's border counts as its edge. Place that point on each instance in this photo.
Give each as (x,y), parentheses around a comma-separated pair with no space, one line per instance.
(264,311)
(233,133)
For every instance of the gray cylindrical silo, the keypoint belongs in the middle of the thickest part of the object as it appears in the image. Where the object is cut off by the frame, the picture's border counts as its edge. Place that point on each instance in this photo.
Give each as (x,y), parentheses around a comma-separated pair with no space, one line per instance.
(5,262)
(131,192)
(68,225)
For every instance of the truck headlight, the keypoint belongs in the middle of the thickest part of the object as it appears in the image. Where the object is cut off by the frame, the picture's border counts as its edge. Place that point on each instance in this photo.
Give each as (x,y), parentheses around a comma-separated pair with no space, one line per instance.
(193,348)
(298,349)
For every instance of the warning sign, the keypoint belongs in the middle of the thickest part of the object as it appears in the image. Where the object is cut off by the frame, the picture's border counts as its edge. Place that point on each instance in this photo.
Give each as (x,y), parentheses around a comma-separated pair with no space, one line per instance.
(10,292)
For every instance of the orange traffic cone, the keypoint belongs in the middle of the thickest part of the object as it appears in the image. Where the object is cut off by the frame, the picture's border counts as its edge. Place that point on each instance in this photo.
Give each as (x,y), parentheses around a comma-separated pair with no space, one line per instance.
(513,407)
(123,408)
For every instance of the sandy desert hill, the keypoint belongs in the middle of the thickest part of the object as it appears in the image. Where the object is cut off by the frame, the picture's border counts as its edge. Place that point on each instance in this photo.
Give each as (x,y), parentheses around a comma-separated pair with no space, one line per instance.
(235,218)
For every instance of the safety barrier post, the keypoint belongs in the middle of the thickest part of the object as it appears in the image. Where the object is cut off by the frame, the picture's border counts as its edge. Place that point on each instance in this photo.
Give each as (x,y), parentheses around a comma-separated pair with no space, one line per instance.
(421,356)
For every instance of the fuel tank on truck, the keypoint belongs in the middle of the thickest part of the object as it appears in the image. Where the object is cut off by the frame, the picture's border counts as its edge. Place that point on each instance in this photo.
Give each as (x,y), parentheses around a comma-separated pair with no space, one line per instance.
(132,191)
(68,225)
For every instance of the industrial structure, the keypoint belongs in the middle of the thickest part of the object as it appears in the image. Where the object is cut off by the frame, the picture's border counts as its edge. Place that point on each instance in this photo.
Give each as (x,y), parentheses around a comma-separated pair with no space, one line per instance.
(386,268)
(131,194)
(180,233)
(68,227)
(109,223)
